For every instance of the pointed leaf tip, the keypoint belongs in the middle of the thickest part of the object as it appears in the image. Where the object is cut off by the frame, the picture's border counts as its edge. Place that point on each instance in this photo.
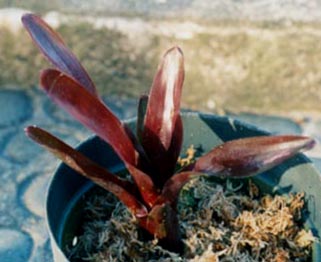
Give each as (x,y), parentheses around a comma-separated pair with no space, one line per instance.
(310,143)
(27,129)
(34,133)
(54,49)
(88,110)
(93,114)
(174,52)
(122,189)
(165,96)
(161,134)
(249,156)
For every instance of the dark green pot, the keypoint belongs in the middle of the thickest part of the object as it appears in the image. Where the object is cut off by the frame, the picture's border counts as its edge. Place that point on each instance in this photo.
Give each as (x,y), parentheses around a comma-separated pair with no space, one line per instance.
(207,131)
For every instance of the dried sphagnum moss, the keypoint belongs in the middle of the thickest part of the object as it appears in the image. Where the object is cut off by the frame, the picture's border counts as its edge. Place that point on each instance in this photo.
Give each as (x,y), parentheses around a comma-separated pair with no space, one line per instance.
(218,222)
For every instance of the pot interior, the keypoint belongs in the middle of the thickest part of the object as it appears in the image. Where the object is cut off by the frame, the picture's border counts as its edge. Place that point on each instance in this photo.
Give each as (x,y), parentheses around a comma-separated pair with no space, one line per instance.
(205,131)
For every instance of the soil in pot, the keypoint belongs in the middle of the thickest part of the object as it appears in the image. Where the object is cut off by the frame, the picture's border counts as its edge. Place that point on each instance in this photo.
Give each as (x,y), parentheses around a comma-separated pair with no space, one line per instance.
(228,220)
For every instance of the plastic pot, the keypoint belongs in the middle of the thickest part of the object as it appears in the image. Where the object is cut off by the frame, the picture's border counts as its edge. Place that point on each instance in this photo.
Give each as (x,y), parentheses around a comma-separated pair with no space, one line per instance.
(295,175)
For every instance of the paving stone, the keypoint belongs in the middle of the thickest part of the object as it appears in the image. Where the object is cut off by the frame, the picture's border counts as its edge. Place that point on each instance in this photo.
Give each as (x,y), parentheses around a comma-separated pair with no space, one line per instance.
(21,149)
(273,124)
(122,108)
(5,137)
(10,207)
(16,107)
(316,162)
(34,194)
(25,169)
(15,246)
(6,220)
(37,229)
(5,164)
(57,113)
(8,190)
(42,253)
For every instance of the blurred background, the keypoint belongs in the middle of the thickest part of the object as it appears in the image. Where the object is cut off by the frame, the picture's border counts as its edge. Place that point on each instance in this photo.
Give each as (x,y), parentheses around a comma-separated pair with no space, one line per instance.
(256,56)
(258,61)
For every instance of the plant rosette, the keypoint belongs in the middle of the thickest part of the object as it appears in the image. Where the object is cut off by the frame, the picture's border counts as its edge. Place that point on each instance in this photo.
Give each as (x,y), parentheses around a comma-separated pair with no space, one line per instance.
(161,187)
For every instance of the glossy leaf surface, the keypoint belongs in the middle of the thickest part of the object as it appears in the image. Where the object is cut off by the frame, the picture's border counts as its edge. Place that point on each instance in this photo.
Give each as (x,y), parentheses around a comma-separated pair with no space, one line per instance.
(162,134)
(166,162)
(164,100)
(150,157)
(90,111)
(249,156)
(173,186)
(83,165)
(54,49)
(144,184)
(93,114)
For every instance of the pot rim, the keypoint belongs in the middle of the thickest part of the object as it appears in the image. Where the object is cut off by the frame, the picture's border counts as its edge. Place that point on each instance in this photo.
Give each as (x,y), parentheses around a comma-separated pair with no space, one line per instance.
(56,249)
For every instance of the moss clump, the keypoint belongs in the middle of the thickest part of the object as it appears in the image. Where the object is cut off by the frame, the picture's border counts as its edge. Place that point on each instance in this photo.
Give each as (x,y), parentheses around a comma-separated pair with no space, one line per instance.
(219,222)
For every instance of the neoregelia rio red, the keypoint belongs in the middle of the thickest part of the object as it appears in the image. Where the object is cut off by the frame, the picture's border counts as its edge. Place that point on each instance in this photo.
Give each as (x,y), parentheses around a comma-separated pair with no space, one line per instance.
(151,155)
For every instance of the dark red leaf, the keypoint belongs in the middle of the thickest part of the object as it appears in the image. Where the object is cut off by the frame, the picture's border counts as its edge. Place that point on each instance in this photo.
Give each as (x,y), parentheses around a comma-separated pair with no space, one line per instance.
(144,162)
(54,49)
(249,156)
(162,134)
(145,185)
(162,222)
(173,186)
(83,165)
(90,111)
(142,106)
(164,101)
(165,161)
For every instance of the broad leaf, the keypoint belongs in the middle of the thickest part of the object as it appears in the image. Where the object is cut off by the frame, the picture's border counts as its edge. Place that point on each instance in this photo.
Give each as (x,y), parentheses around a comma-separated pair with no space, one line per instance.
(249,156)
(93,114)
(164,100)
(54,49)
(120,188)
(90,111)
(163,110)
(144,184)
(173,186)
(165,162)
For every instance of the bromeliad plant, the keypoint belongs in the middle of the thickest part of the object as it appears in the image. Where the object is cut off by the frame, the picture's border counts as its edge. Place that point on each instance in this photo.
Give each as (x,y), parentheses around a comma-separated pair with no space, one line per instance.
(151,155)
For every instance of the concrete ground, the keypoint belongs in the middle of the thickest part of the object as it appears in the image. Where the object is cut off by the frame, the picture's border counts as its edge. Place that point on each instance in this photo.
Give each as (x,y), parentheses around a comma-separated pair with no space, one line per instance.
(26,169)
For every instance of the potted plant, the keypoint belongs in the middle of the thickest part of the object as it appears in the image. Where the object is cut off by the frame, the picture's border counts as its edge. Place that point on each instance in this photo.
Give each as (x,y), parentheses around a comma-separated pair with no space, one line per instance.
(154,179)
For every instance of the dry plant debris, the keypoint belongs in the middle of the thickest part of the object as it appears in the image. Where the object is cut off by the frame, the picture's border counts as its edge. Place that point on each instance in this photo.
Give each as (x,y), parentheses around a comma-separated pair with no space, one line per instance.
(189,158)
(221,222)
